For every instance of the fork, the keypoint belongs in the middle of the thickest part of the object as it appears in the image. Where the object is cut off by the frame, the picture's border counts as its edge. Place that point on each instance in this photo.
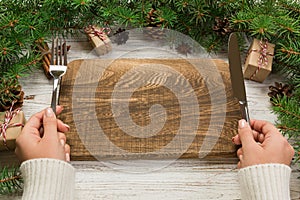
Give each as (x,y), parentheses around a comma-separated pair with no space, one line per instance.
(58,67)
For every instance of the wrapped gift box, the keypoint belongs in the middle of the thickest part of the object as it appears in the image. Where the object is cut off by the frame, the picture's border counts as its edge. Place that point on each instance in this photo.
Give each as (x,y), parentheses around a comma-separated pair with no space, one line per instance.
(99,39)
(258,63)
(12,131)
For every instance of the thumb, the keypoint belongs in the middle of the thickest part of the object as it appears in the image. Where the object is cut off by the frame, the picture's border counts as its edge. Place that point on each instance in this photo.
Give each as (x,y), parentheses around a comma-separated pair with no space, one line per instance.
(245,133)
(50,124)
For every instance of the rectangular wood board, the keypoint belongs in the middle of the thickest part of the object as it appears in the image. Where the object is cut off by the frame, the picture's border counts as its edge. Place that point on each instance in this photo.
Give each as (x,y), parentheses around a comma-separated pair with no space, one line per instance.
(149,109)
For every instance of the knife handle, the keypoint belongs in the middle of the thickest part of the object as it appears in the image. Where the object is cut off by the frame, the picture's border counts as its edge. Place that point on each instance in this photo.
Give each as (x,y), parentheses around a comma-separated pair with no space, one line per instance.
(245,110)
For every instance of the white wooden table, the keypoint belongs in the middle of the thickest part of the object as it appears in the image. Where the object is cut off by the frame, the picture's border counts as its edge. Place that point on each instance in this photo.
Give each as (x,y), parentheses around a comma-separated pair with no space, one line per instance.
(183,179)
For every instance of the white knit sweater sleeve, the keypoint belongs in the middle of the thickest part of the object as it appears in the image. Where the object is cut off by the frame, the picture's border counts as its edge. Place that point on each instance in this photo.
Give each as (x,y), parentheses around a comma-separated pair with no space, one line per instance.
(265,182)
(48,179)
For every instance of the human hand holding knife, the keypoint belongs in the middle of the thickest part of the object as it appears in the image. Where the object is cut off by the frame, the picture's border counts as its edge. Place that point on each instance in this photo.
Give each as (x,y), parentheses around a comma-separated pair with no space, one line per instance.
(260,143)
(236,74)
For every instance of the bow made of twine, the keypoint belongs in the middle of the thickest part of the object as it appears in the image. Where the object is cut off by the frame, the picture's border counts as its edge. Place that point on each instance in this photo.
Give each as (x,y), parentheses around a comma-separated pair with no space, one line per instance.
(9,115)
(263,57)
(98,32)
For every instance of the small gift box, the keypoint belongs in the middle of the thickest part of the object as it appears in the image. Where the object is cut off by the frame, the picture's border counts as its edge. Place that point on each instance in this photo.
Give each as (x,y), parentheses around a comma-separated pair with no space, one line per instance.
(258,63)
(99,39)
(11,123)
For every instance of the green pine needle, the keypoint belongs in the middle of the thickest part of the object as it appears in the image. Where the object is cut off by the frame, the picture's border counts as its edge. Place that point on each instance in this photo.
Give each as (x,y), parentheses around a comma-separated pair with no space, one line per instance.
(288,111)
(10,181)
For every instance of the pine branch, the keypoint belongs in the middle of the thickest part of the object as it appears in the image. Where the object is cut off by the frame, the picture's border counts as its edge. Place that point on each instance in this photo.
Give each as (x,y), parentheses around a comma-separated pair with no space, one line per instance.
(285,128)
(10,181)
(288,111)
(285,68)
(290,6)
(289,52)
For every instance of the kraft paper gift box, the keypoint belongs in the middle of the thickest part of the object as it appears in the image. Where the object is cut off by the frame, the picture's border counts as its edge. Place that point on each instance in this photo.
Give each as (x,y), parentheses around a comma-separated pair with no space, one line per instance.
(99,40)
(258,63)
(12,131)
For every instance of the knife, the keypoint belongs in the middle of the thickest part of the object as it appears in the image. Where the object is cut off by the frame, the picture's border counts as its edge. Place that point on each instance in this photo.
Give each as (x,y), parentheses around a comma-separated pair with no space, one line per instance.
(236,74)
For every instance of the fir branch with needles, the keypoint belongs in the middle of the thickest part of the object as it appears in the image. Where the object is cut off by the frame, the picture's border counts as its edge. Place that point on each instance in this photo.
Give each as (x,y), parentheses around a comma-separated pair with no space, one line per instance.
(288,111)
(11,181)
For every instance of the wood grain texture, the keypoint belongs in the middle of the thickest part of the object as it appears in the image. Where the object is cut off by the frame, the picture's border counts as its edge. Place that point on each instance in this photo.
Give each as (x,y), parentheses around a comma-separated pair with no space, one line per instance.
(90,87)
(182,180)
(185,179)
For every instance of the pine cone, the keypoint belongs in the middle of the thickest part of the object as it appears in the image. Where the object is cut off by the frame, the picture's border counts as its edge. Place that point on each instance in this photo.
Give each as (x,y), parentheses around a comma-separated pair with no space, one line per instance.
(154,28)
(11,92)
(120,36)
(280,90)
(222,26)
(153,19)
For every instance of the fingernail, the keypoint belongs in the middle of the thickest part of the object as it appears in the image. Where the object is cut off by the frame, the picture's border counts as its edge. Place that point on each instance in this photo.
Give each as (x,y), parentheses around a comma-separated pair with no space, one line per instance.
(242,123)
(62,142)
(49,112)
(67,126)
(67,157)
(240,157)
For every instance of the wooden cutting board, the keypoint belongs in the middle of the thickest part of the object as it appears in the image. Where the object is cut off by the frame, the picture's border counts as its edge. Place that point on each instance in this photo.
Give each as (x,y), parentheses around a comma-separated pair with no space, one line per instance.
(149,108)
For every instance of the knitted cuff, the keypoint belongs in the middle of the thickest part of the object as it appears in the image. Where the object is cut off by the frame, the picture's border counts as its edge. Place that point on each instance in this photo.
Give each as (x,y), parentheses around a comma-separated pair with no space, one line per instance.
(48,179)
(265,181)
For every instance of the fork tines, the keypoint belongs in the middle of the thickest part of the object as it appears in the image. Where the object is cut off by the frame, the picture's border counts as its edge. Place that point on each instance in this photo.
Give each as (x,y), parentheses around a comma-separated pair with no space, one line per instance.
(58,67)
(58,50)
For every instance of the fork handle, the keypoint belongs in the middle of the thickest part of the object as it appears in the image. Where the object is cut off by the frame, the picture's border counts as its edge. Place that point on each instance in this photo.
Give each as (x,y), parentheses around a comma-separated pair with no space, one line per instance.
(54,95)
(245,111)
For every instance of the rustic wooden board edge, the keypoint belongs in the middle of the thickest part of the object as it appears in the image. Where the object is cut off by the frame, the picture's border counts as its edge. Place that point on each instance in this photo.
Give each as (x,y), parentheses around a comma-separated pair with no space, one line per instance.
(221,65)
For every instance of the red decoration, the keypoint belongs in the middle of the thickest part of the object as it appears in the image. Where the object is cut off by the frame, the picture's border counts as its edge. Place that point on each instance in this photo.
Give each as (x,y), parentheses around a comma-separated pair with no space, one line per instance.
(9,115)
(98,32)
(262,59)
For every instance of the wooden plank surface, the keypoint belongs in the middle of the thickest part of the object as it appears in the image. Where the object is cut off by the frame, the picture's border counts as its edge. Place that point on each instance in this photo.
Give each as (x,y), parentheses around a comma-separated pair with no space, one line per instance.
(185,179)
(195,113)
(182,179)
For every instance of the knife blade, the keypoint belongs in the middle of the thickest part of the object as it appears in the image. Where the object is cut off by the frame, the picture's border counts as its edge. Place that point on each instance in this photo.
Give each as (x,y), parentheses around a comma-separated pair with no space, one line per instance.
(236,75)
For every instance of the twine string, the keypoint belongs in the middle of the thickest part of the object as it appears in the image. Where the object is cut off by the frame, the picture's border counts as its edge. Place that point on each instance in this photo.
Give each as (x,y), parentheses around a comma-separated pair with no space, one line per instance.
(99,32)
(263,57)
(9,115)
